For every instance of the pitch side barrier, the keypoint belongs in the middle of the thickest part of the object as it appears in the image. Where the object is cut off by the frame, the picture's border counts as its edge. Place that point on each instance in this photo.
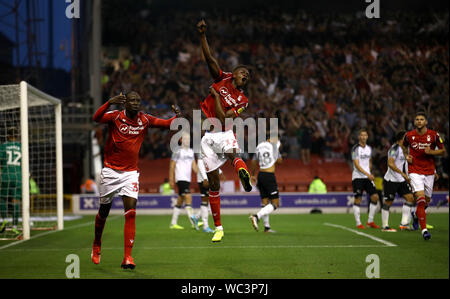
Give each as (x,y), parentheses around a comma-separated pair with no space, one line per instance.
(242,203)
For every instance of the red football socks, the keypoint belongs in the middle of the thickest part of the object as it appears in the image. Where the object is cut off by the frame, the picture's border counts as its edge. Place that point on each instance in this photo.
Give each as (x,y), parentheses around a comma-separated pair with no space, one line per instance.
(420,211)
(99,225)
(214,202)
(129,230)
(239,163)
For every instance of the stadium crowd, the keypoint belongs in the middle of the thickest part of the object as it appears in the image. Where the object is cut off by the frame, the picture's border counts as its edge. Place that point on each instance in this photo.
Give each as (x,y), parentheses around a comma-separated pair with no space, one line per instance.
(322,75)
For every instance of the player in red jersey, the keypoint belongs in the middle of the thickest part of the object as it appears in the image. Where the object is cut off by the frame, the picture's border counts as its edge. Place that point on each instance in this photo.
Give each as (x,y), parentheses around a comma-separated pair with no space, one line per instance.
(227,100)
(120,176)
(422,143)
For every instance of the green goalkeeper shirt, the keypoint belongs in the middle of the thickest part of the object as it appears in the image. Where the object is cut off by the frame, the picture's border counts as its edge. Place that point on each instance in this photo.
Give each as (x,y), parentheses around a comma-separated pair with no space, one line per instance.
(10,161)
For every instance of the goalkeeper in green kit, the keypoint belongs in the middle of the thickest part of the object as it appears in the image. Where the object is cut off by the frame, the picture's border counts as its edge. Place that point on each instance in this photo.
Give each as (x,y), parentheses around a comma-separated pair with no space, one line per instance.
(10,179)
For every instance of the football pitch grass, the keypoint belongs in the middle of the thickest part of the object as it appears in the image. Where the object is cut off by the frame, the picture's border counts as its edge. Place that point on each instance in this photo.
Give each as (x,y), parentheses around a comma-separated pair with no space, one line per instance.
(315,246)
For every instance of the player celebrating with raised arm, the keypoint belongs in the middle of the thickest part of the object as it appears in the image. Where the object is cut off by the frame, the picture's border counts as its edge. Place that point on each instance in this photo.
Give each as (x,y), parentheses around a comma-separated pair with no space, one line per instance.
(227,100)
(362,179)
(422,143)
(120,175)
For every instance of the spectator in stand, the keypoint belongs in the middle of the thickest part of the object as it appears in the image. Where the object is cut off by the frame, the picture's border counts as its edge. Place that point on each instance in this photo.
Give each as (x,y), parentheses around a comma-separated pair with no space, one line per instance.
(324,65)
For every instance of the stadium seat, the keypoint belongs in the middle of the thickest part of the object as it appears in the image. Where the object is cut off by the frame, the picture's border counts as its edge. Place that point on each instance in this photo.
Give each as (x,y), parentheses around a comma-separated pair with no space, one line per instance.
(302,188)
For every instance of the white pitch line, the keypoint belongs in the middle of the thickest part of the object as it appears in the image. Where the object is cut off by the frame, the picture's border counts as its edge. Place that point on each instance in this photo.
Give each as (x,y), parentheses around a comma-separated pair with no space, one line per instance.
(207,247)
(387,243)
(52,232)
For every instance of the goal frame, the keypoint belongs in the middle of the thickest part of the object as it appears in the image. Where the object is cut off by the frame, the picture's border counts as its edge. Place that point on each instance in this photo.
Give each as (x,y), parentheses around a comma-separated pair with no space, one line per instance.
(25,89)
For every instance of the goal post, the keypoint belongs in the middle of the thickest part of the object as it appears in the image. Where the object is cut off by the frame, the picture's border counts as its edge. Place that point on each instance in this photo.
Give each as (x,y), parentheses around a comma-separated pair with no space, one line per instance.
(38,188)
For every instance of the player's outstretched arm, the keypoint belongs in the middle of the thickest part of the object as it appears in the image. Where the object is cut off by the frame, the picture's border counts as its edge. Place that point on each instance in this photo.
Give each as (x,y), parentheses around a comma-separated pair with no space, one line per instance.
(213,65)
(163,123)
(100,116)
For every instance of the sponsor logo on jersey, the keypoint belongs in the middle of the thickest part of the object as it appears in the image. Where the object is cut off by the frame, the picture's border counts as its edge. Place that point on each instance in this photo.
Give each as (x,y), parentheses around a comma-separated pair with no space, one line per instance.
(419,145)
(125,129)
(227,96)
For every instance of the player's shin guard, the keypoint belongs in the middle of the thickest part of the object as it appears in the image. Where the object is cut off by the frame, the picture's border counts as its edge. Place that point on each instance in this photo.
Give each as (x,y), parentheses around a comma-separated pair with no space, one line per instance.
(357,213)
(372,210)
(129,231)
(385,216)
(406,213)
(204,213)
(420,211)
(189,211)
(214,202)
(99,225)
(175,214)
(266,210)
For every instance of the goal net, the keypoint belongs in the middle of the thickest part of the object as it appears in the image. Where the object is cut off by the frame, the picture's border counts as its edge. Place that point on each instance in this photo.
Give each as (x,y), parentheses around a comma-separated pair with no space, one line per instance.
(31,196)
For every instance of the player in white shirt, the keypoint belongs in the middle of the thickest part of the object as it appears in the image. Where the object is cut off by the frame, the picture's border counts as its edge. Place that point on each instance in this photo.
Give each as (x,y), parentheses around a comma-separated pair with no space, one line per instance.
(202,180)
(267,154)
(181,165)
(362,179)
(396,181)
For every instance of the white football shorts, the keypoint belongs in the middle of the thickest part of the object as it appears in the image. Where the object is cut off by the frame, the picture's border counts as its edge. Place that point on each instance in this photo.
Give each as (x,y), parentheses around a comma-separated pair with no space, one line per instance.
(421,182)
(115,182)
(214,145)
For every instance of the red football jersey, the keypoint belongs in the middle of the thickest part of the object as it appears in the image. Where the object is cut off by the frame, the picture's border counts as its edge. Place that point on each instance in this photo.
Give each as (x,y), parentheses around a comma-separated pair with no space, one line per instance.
(230,96)
(126,136)
(421,162)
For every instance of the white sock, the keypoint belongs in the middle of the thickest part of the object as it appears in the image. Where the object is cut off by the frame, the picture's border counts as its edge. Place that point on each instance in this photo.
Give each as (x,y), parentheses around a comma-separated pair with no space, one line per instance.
(372,210)
(357,212)
(219,227)
(176,213)
(190,212)
(265,211)
(384,218)
(406,215)
(204,215)
(266,220)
